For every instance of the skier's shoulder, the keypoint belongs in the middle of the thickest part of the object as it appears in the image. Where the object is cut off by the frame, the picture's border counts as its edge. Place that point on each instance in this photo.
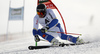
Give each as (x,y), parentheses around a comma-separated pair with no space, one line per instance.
(49,10)
(51,13)
(36,16)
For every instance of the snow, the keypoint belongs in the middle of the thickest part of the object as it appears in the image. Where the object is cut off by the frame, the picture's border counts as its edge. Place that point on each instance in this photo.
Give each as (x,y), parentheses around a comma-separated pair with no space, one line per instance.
(21,47)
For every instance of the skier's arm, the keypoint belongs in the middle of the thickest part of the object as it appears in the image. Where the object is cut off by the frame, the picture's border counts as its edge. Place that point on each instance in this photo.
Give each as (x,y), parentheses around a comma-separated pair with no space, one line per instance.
(50,25)
(54,21)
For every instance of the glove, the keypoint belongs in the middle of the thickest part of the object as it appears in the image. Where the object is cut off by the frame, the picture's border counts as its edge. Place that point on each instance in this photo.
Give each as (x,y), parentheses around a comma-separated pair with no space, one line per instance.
(43,30)
(37,39)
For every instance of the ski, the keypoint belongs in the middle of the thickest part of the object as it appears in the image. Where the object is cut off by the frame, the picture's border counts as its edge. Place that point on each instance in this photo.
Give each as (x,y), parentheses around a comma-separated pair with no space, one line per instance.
(37,47)
(61,45)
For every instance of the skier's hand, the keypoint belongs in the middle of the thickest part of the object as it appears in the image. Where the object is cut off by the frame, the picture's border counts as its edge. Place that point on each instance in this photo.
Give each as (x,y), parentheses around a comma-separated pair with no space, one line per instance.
(43,30)
(37,39)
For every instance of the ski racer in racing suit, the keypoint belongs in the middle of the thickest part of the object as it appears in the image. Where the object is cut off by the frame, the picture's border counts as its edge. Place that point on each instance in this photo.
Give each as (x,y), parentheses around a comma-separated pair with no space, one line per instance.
(48,20)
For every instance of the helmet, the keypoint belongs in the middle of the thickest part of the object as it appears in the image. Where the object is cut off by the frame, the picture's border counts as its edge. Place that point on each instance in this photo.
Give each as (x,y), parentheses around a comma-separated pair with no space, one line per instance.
(41,9)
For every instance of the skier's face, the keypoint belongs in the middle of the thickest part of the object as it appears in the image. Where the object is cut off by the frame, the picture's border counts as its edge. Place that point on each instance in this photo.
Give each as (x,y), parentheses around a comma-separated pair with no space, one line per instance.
(41,14)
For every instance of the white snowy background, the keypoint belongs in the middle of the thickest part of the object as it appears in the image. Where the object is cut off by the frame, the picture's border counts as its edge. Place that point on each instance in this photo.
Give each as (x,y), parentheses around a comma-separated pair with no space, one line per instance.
(80,16)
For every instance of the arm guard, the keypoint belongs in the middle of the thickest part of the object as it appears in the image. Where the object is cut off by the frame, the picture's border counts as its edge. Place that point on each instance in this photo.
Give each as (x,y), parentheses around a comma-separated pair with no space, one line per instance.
(53,23)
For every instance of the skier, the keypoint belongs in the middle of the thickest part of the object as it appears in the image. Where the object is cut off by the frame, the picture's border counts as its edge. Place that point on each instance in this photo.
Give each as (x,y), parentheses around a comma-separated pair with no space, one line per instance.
(48,20)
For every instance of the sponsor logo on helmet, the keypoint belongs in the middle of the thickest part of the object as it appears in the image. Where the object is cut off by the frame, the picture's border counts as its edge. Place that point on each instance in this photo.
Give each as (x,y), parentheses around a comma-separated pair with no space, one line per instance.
(40,10)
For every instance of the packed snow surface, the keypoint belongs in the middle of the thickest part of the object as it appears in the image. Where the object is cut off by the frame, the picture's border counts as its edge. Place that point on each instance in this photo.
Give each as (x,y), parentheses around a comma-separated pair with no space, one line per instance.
(20,46)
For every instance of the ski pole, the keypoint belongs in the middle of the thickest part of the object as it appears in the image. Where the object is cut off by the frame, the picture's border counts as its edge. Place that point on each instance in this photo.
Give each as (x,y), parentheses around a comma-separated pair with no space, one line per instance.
(64,33)
(35,43)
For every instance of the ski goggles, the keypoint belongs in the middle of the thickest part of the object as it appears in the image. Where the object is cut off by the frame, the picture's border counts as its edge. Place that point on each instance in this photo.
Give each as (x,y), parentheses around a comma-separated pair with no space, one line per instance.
(40,13)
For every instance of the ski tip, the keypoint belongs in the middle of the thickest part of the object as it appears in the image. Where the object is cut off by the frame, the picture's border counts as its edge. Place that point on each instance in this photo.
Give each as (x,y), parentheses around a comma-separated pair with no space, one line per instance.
(30,48)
